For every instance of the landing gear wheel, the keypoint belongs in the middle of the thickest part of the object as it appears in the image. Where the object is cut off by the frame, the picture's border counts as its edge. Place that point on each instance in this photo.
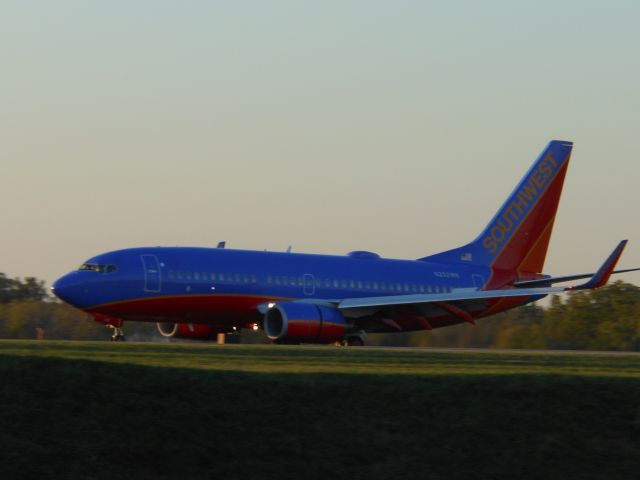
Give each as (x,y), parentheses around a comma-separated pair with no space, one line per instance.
(118,335)
(356,340)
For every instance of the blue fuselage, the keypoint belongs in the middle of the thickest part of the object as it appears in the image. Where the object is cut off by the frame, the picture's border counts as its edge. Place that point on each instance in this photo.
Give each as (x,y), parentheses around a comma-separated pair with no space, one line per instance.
(202,284)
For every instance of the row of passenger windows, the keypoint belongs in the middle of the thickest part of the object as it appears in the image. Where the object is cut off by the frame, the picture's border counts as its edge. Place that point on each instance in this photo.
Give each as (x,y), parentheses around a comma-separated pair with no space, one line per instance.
(215,277)
(283,280)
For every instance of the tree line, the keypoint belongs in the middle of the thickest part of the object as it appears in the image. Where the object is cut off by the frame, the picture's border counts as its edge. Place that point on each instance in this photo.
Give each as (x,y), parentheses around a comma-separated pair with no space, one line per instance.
(27,311)
(603,319)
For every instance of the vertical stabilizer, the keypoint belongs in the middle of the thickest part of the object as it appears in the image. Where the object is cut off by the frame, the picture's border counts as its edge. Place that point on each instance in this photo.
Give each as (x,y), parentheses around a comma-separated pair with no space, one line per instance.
(517,237)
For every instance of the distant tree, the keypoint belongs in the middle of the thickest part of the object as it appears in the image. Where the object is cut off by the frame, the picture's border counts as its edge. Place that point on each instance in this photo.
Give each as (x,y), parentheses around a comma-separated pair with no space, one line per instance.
(6,287)
(12,290)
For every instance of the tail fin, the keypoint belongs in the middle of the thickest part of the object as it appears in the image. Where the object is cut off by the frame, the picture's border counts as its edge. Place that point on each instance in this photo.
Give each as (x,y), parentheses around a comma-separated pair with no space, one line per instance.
(517,237)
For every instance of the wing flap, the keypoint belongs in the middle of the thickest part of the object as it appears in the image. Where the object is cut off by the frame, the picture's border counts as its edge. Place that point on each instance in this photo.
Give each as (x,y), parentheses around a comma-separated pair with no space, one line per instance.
(445,297)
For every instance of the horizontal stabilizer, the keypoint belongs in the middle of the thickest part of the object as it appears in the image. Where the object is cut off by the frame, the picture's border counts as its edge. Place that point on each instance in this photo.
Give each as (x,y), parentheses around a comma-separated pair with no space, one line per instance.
(548,281)
(601,277)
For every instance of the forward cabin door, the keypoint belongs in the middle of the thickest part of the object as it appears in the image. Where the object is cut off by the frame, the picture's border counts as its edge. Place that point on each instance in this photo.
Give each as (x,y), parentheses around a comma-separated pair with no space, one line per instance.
(152,276)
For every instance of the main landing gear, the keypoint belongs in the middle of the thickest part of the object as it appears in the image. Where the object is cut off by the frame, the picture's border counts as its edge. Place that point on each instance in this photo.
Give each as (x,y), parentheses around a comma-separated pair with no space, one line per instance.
(118,334)
(355,340)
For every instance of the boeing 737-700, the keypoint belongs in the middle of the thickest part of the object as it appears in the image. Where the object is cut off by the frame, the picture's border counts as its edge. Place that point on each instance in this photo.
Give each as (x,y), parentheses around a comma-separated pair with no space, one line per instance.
(303,298)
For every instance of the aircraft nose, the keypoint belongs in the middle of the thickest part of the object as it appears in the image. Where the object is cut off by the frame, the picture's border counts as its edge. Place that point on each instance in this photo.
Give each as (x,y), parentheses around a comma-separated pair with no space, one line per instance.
(63,288)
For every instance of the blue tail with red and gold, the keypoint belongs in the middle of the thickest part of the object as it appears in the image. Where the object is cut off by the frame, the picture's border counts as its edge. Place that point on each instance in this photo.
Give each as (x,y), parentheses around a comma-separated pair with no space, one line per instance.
(514,243)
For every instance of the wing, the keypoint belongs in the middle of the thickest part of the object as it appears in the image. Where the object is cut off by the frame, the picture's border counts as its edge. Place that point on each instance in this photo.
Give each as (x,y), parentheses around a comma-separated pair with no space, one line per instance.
(464,304)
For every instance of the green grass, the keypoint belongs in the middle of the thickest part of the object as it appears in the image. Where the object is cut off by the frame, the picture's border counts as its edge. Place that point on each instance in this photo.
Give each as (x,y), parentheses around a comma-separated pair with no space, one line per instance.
(99,410)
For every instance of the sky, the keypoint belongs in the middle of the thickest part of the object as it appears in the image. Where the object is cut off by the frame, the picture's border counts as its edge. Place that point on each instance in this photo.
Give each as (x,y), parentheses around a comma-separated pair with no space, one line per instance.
(395,126)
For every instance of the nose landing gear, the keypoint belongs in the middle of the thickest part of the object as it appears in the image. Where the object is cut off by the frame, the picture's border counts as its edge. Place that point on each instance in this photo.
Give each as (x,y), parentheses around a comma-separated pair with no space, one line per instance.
(118,334)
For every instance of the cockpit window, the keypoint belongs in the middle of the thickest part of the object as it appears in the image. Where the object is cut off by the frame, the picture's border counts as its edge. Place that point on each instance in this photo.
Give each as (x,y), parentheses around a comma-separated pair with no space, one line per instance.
(96,267)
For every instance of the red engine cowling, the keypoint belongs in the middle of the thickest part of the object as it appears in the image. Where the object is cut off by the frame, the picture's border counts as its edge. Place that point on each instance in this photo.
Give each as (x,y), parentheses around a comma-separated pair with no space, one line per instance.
(187,330)
(304,322)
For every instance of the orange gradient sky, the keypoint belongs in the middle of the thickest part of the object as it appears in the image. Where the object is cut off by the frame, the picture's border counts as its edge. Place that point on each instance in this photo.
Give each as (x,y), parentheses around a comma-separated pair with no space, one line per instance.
(398,127)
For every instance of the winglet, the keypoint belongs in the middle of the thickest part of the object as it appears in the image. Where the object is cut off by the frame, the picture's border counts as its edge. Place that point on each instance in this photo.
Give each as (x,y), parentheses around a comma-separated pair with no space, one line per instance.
(601,277)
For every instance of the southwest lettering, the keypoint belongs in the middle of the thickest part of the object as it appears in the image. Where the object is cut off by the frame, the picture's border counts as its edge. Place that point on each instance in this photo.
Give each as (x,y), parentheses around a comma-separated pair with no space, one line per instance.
(522,201)
(520,204)
(509,210)
(490,244)
(538,179)
(552,160)
(494,231)
(505,228)
(529,191)
(546,170)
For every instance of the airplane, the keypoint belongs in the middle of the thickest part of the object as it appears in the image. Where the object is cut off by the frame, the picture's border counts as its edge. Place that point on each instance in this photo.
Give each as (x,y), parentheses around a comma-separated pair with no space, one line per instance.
(197,293)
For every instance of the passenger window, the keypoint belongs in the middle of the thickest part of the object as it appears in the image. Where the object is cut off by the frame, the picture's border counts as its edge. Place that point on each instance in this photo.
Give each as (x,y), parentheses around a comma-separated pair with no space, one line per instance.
(277,280)
(343,283)
(327,282)
(196,276)
(375,285)
(352,284)
(335,283)
(285,281)
(318,283)
(254,279)
(171,275)
(360,284)
(421,288)
(188,275)
(269,279)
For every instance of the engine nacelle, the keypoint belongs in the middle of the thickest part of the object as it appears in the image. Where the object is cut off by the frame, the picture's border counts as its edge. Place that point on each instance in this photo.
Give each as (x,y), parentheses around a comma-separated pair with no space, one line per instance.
(186,330)
(304,322)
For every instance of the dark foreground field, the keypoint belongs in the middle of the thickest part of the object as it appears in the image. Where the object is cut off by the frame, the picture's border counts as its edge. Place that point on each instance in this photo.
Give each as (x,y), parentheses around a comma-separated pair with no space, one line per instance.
(165,411)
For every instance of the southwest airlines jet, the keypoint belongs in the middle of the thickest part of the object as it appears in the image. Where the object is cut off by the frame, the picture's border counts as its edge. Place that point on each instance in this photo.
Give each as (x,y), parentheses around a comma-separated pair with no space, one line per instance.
(301,298)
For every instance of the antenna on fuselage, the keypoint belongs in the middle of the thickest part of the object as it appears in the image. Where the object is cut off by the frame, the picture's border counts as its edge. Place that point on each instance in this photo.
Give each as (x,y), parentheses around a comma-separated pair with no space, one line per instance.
(221,244)
(289,249)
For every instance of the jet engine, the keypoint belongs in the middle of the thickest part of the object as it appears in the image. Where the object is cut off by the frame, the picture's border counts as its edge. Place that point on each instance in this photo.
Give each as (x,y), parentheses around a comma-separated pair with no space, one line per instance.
(304,322)
(187,330)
